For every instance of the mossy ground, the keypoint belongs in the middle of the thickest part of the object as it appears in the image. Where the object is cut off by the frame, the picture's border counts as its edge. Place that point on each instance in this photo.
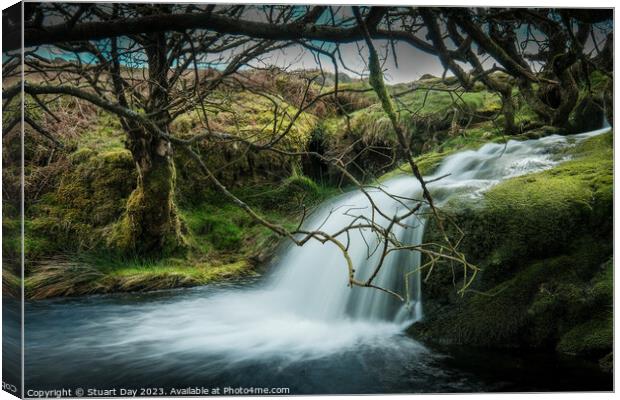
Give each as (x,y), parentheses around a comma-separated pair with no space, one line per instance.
(71,238)
(544,244)
(223,242)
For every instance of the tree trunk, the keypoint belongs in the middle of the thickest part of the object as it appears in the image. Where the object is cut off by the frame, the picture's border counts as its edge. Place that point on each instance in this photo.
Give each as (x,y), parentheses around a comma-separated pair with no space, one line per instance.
(508,111)
(570,95)
(150,224)
(543,111)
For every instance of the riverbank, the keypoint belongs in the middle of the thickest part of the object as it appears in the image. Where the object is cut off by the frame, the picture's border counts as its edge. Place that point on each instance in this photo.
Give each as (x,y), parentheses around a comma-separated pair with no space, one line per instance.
(224,242)
(543,243)
(222,245)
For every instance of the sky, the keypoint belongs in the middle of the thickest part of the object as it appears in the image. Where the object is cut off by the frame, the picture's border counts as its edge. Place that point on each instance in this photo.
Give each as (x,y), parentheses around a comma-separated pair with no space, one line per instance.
(412,63)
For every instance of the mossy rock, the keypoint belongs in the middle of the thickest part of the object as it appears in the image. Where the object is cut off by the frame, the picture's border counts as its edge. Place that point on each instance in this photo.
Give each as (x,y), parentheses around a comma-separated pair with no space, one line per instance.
(538,214)
(543,243)
(591,338)
(296,191)
(90,196)
(292,194)
(532,308)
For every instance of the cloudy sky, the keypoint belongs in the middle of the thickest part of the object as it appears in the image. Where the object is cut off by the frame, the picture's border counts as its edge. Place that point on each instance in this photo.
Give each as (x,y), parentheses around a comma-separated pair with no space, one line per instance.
(412,63)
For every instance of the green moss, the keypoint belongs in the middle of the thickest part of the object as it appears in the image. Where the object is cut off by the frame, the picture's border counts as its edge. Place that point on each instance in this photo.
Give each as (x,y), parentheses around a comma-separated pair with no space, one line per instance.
(567,198)
(530,306)
(543,243)
(170,274)
(295,191)
(150,224)
(602,289)
(107,134)
(90,196)
(594,337)
(221,232)
(519,205)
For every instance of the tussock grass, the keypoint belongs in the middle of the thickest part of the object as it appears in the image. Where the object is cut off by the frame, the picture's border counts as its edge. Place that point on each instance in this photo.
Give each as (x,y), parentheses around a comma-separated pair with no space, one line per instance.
(64,276)
(59,276)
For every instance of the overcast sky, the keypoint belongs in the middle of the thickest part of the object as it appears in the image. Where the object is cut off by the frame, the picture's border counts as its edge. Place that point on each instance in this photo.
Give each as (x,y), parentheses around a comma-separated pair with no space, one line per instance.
(412,63)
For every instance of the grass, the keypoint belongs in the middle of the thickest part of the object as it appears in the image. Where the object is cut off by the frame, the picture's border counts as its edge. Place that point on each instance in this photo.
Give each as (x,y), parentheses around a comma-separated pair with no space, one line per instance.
(107,135)
(63,277)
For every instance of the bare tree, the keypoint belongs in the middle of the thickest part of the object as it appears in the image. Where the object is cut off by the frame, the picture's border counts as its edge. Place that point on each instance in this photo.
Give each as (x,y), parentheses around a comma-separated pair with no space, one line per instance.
(146,97)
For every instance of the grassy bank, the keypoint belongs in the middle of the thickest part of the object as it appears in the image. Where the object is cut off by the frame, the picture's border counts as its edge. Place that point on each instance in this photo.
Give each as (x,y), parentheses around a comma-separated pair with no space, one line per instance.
(223,241)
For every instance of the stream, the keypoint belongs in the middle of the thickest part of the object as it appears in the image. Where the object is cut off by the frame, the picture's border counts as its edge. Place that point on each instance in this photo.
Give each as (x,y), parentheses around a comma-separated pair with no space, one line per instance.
(299,326)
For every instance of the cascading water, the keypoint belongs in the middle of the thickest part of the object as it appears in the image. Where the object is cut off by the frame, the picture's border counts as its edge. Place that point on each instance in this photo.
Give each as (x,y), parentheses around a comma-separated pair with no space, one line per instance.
(312,279)
(302,318)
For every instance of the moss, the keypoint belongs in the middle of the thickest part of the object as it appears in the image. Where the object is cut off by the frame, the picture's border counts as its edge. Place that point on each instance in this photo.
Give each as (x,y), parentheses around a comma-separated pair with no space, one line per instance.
(519,205)
(594,337)
(543,243)
(221,232)
(90,196)
(296,191)
(566,197)
(105,135)
(532,306)
(290,196)
(150,224)
(602,290)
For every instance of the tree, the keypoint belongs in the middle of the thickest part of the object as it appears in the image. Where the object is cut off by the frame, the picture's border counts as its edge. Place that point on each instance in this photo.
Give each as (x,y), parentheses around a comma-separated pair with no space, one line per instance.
(104,72)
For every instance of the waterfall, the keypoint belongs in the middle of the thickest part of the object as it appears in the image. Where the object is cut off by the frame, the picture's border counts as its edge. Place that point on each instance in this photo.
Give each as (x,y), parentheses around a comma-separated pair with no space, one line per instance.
(312,280)
(314,277)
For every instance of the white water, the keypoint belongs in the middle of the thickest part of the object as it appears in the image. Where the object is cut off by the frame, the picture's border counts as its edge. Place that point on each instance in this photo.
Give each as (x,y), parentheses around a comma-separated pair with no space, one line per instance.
(306,310)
